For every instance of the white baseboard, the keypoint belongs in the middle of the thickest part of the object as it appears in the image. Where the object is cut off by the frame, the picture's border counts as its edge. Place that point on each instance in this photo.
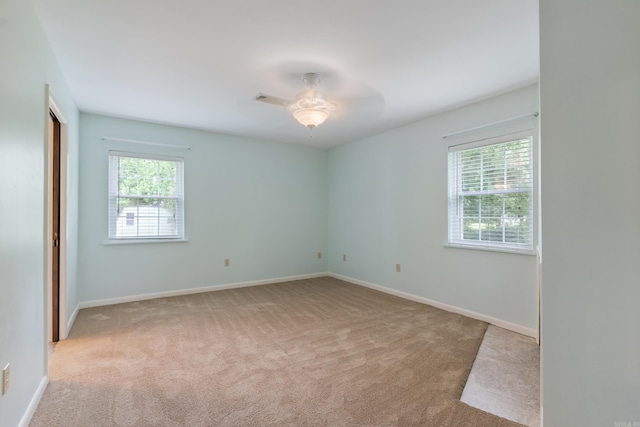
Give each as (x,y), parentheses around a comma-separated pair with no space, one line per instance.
(71,321)
(453,309)
(120,300)
(33,405)
(478,316)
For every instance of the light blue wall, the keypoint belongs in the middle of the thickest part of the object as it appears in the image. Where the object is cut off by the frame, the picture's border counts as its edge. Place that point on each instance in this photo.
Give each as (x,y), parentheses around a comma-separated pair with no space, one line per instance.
(28,65)
(388,205)
(72,221)
(590,98)
(263,205)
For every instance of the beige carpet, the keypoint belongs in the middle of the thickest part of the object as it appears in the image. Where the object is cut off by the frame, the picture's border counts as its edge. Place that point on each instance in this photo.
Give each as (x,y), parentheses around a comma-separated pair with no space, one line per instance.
(505,377)
(318,352)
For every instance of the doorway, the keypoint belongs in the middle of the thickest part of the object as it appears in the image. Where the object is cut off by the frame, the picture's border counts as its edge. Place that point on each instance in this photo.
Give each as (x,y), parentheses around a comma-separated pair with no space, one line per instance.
(55,243)
(54,178)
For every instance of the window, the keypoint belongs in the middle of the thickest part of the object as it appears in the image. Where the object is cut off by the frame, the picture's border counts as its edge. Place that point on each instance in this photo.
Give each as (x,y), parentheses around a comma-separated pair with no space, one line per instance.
(491,193)
(145,196)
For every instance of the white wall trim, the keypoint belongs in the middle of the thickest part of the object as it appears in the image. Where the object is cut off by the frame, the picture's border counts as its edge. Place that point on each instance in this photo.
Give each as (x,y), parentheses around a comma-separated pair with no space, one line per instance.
(132,298)
(33,405)
(453,309)
(72,319)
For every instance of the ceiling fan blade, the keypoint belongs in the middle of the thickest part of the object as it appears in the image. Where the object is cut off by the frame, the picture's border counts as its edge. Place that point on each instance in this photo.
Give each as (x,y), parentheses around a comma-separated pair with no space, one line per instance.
(271,99)
(369,104)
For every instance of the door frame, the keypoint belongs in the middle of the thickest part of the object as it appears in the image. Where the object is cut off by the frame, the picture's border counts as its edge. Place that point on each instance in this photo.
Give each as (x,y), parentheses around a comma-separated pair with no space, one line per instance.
(54,244)
(52,105)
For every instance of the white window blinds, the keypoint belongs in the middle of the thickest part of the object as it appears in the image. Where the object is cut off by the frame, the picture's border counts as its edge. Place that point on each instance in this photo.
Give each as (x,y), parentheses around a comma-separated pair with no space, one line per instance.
(146,196)
(491,194)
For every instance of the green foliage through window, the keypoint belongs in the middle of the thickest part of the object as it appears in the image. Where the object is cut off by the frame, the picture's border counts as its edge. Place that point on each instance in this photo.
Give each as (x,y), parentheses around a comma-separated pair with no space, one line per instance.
(145,197)
(491,195)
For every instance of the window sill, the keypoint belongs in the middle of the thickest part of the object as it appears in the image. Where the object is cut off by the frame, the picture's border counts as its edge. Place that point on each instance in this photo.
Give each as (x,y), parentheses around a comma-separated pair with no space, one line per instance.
(110,242)
(529,252)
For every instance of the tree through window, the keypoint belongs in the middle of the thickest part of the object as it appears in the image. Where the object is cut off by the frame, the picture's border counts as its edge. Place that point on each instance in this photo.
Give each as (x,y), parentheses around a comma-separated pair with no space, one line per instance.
(145,196)
(491,194)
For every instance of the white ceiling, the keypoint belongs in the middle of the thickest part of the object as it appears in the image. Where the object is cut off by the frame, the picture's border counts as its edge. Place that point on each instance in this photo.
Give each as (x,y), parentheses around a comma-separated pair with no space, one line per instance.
(199,63)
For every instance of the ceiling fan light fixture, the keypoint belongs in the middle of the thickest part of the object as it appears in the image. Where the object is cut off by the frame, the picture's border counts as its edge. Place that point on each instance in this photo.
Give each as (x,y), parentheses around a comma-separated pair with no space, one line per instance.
(310,107)
(310,117)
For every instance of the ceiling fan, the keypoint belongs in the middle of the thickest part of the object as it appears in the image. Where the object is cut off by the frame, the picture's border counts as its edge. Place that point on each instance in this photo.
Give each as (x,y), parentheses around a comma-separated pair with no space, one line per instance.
(310,108)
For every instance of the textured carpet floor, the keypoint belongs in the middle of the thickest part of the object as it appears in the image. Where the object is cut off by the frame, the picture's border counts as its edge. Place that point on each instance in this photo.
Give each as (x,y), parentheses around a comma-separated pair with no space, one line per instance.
(318,352)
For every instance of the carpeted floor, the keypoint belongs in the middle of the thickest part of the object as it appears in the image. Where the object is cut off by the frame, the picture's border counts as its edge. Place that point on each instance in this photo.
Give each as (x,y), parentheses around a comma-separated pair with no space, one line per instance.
(318,352)
(505,377)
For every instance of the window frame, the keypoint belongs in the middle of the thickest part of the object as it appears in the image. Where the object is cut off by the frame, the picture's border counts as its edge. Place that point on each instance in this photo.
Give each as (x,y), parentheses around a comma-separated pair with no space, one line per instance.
(114,196)
(453,196)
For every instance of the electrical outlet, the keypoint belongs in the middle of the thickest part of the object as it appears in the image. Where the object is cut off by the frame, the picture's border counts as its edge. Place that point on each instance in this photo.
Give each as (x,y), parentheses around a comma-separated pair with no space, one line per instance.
(226,262)
(398,268)
(319,255)
(344,258)
(5,379)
